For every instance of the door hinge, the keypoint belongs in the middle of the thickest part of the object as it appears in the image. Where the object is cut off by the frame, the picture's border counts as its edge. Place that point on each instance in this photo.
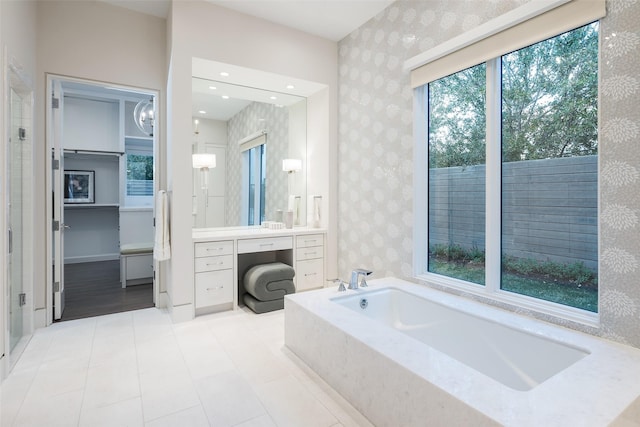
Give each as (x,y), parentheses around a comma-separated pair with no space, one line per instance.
(55,102)
(55,164)
(22,134)
(56,225)
(22,299)
(56,286)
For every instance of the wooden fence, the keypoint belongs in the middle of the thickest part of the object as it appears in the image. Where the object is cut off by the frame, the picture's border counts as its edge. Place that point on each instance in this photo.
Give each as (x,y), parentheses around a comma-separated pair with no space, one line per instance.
(549,208)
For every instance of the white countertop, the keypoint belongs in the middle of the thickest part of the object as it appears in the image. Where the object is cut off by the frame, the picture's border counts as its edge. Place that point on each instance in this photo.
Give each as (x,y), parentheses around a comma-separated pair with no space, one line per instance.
(208,234)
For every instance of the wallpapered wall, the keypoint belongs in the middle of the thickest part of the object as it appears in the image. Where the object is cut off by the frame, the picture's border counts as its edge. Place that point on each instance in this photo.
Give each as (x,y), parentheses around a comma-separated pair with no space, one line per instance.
(253,118)
(376,146)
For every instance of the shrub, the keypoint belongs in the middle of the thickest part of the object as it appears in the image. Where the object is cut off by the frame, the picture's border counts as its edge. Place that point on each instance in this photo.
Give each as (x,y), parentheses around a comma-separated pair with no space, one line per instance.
(575,272)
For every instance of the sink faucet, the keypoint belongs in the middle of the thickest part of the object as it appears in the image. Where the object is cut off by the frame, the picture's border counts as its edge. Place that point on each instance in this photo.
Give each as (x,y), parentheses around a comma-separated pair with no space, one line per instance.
(355,274)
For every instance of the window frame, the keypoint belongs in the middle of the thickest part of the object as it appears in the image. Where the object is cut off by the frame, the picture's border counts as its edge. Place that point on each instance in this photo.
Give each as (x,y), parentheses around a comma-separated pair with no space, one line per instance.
(493,208)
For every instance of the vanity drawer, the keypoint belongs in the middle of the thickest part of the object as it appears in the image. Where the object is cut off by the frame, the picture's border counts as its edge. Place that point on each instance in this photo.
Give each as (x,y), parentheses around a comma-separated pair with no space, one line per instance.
(264,244)
(212,263)
(309,240)
(310,253)
(309,274)
(213,288)
(203,249)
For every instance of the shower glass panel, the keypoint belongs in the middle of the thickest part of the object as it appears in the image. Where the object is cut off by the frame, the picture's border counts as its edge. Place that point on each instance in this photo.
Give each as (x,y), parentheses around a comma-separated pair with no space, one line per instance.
(16,159)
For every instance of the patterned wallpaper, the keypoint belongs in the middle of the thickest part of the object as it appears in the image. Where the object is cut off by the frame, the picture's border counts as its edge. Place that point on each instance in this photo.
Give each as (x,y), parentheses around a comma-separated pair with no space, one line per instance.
(253,118)
(376,147)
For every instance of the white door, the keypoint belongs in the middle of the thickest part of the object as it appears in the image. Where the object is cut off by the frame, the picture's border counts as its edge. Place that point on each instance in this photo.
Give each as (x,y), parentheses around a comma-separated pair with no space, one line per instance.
(55,106)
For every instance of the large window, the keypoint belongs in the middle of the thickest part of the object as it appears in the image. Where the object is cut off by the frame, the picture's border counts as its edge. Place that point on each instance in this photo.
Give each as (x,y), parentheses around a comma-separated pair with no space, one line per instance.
(512,159)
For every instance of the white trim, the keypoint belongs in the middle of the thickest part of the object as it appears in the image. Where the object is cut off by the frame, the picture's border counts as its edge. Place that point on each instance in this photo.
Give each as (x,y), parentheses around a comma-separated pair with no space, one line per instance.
(39,318)
(253,136)
(420,180)
(182,313)
(489,28)
(493,176)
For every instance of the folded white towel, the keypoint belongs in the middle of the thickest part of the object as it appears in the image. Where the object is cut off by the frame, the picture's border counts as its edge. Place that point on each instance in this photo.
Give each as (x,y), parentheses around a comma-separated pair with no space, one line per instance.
(162,247)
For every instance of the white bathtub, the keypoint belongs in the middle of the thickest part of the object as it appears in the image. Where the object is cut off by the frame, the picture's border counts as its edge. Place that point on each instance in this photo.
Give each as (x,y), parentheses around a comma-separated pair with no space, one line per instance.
(415,356)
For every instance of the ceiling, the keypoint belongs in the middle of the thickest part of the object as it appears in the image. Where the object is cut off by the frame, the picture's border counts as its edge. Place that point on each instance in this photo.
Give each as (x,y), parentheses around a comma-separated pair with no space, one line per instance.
(329,19)
(220,91)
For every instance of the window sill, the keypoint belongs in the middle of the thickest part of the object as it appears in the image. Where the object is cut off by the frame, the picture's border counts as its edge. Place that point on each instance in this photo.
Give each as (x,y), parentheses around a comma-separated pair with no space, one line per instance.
(515,301)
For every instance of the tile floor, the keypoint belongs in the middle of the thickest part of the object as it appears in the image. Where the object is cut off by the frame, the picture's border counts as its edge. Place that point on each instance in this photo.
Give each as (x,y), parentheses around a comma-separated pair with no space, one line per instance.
(140,369)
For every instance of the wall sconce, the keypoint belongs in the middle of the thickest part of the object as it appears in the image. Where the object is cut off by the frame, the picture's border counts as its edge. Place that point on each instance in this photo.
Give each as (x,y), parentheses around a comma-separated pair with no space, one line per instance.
(291,165)
(204,162)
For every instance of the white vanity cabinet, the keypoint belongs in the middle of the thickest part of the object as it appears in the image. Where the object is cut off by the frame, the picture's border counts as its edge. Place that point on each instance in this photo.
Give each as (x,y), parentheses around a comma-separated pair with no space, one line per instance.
(309,262)
(222,256)
(214,278)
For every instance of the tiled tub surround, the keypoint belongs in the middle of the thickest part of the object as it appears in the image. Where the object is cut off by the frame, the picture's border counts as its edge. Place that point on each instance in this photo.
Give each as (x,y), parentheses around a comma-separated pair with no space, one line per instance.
(395,380)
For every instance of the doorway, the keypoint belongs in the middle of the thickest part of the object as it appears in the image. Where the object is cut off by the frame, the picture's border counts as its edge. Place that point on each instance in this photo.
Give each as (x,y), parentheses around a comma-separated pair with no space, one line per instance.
(103,145)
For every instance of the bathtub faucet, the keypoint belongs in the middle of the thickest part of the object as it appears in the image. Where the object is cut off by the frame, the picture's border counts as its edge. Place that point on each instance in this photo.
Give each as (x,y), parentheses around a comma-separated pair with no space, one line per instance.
(355,274)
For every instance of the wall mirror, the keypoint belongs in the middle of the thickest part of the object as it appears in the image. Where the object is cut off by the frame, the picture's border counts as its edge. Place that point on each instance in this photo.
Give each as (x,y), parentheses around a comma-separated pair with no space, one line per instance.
(251,132)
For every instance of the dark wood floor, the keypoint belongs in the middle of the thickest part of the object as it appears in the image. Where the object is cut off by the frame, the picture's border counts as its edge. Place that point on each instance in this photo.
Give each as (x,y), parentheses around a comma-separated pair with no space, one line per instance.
(94,289)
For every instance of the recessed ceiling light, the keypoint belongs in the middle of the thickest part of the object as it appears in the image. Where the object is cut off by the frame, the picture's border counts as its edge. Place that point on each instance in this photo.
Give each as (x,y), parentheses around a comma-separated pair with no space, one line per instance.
(225,96)
(291,87)
(273,97)
(224,74)
(213,87)
(202,112)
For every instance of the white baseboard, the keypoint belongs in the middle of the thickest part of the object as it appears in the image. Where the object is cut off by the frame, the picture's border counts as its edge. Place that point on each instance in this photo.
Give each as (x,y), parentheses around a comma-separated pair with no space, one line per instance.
(39,318)
(182,313)
(163,300)
(91,258)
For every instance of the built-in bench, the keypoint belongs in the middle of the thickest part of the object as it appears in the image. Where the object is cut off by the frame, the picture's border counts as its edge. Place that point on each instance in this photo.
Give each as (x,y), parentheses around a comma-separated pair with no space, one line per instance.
(136,264)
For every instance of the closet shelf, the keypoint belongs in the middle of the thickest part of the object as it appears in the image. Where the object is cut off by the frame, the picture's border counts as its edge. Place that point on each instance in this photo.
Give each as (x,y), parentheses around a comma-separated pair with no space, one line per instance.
(141,138)
(92,152)
(92,206)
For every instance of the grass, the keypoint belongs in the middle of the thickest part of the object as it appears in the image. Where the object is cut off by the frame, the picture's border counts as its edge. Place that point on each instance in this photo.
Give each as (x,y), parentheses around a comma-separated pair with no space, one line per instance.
(567,286)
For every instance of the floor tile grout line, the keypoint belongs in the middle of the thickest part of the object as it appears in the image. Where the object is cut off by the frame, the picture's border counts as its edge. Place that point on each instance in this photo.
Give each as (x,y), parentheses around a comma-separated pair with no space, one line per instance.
(24,397)
(135,348)
(269,336)
(193,381)
(86,378)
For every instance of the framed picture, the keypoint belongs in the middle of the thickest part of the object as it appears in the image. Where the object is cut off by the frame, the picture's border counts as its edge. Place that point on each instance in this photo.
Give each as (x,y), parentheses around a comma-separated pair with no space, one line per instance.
(79,187)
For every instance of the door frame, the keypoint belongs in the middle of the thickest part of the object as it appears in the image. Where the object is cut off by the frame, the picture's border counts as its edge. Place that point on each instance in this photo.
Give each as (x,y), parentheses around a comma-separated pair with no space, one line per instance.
(50,78)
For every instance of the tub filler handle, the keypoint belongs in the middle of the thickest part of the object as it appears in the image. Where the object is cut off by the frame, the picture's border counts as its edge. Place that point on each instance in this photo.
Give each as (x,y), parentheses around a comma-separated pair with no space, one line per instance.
(341,287)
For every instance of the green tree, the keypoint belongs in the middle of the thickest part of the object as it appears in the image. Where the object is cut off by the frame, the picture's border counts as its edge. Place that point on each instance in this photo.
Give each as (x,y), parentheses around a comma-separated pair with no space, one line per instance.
(549,104)
(457,118)
(549,98)
(139,167)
